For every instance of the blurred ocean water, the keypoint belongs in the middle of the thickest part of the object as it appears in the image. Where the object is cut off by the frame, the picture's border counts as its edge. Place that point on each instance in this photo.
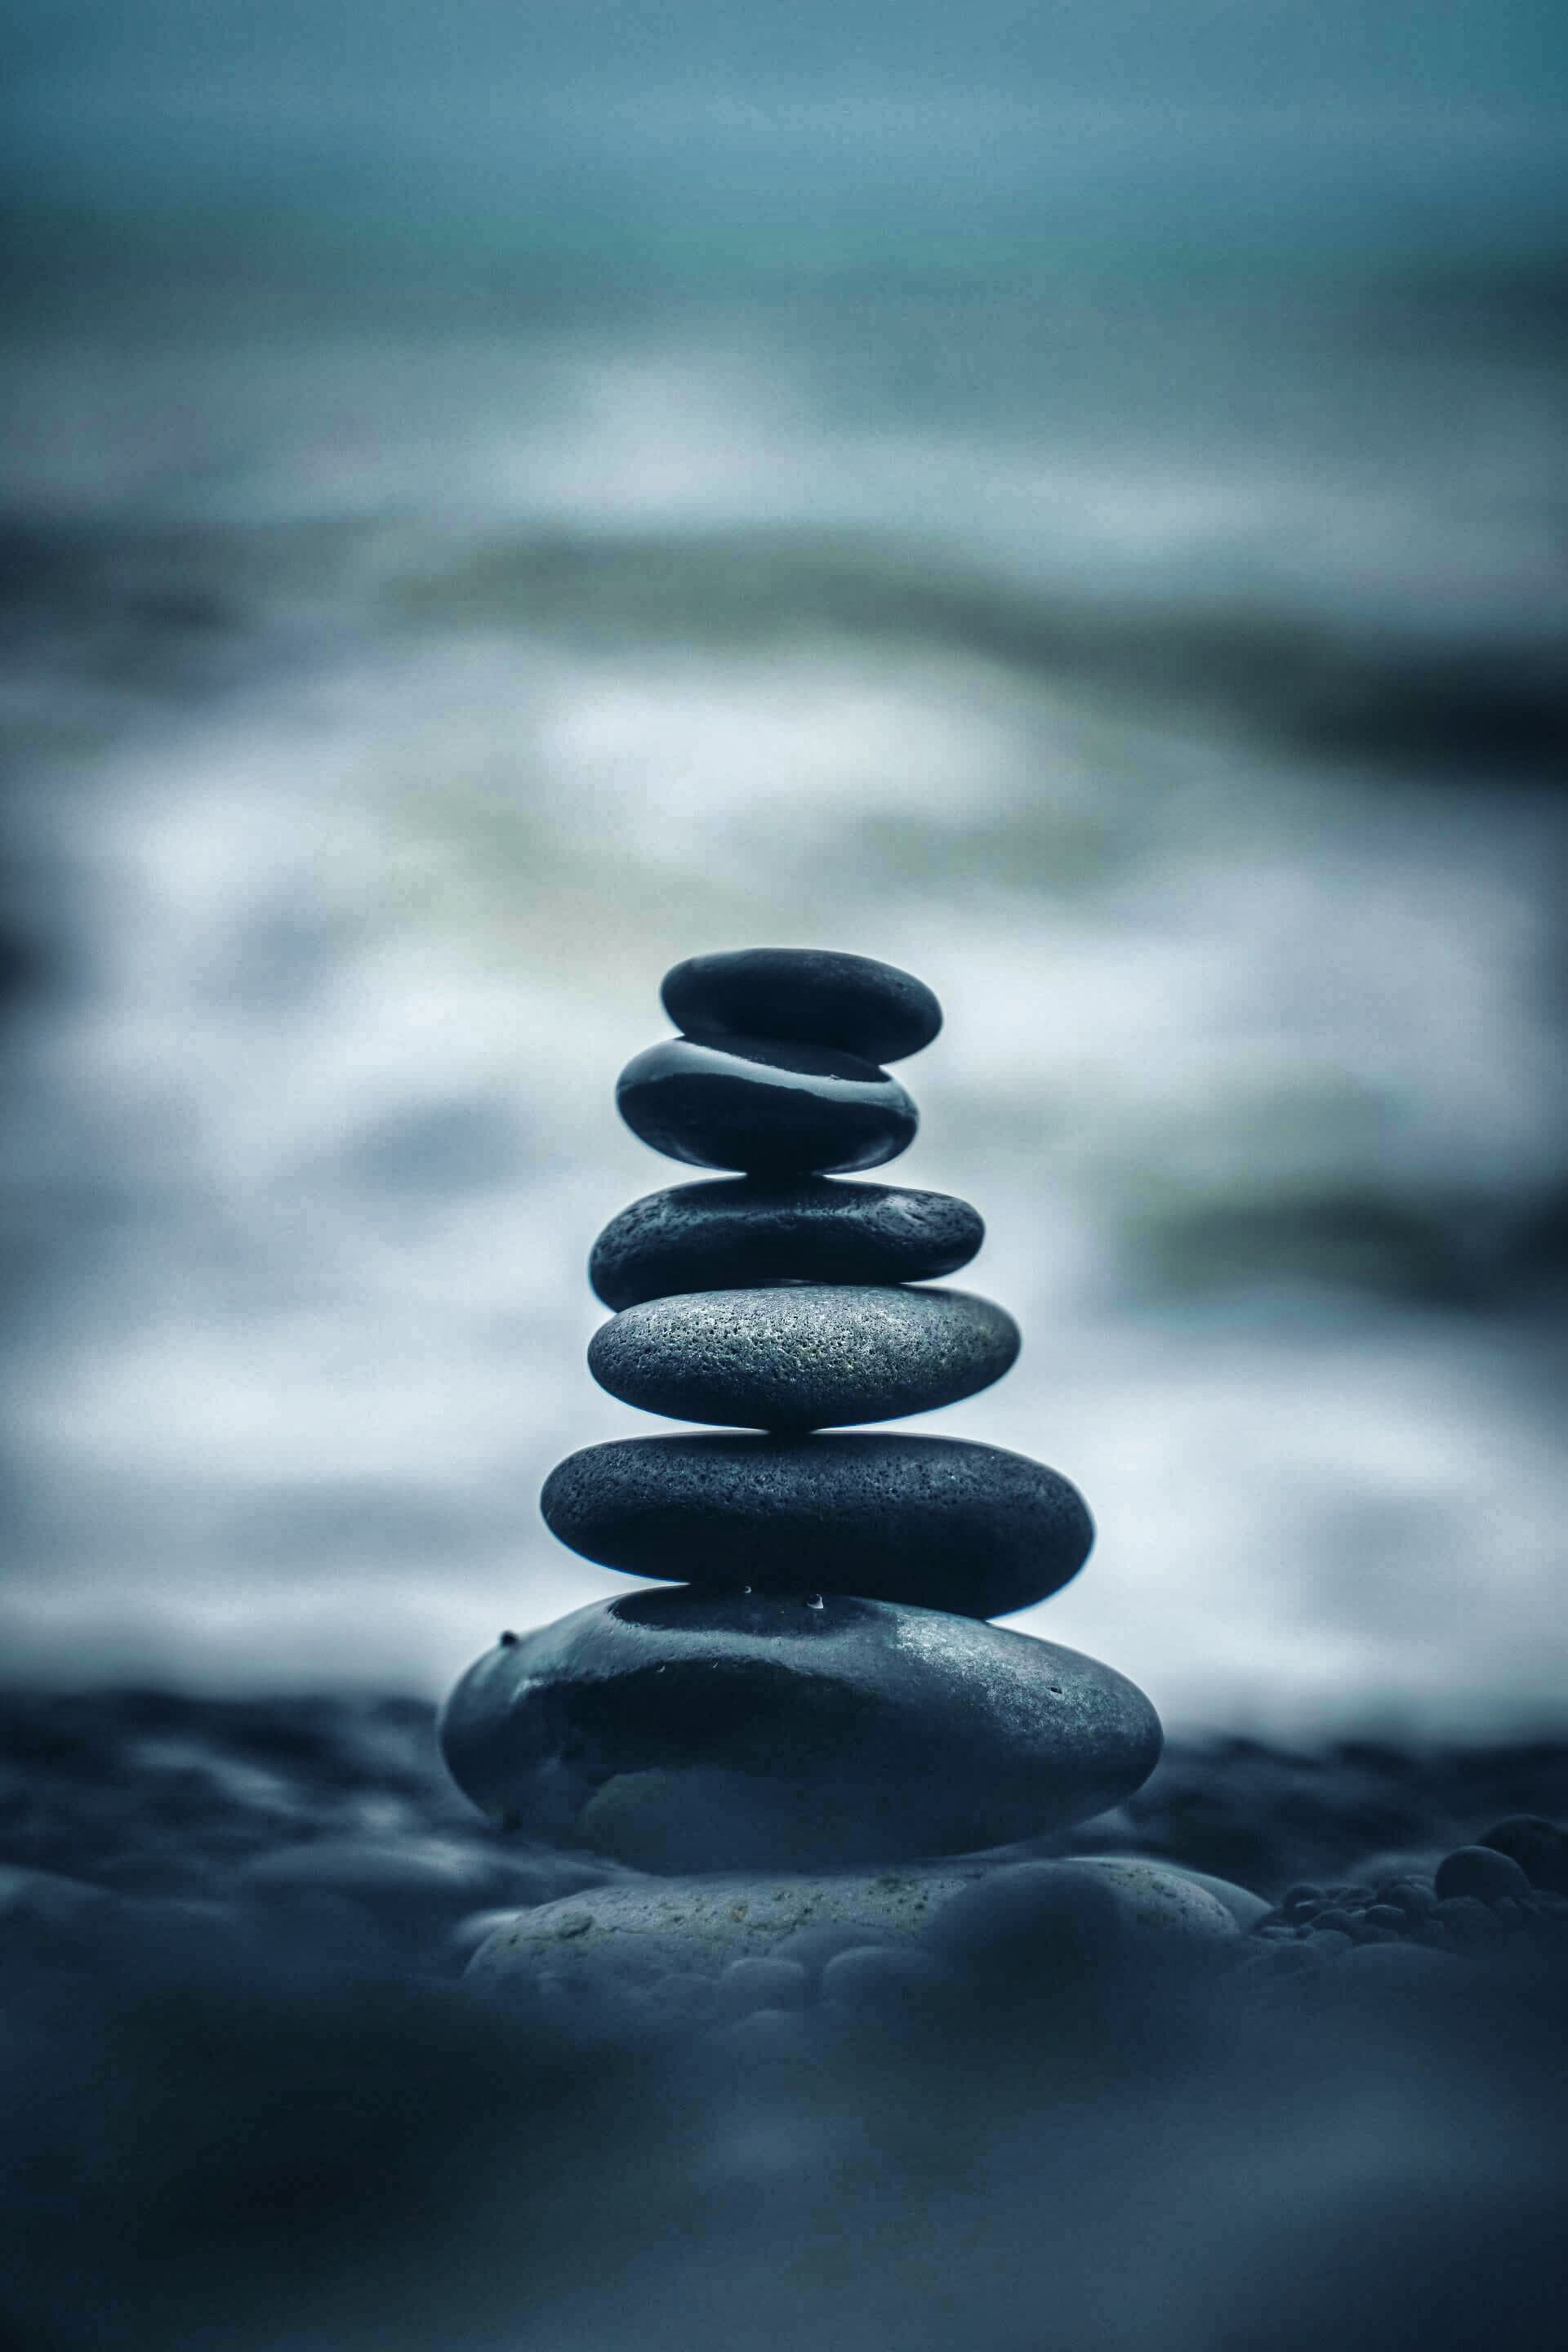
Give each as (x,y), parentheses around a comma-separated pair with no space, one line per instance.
(415,641)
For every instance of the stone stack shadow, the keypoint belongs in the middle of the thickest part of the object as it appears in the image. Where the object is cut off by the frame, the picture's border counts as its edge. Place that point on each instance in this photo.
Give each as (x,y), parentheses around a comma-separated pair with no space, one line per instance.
(821,1687)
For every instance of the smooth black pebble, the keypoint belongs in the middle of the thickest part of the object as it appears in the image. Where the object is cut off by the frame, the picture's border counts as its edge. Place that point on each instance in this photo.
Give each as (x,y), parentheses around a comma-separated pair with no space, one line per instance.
(813,995)
(811,1356)
(766,1109)
(732,1235)
(1540,1847)
(1481,1872)
(937,1522)
(688,1731)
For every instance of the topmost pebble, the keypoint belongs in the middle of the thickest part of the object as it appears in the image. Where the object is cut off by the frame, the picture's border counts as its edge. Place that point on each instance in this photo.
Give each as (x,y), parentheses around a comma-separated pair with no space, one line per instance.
(809,996)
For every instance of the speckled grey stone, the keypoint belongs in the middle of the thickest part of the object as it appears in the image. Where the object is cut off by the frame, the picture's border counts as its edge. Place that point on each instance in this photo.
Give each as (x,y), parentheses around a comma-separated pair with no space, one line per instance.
(813,995)
(768,1109)
(937,1522)
(743,1231)
(682,1731)
(812,1356)
(1245,1907)
(1166,1899)
(633,1931)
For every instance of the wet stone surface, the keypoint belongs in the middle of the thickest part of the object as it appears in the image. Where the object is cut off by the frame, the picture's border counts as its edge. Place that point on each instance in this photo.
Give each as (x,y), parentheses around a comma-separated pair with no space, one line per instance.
(812,995)
(726,1236)
(764,1109)
(811,1356)
(937,1522)
(681,1731)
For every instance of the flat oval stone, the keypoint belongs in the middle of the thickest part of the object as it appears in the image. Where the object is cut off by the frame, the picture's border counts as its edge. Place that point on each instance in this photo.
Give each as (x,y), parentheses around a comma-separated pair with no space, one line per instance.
(813,995)
(939,1522)
(810,1356)
(682,1731)
(728,1236)
(774,1110)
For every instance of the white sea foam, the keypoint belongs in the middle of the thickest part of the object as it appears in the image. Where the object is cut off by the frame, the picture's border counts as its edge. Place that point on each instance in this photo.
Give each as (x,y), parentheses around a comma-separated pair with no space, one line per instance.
(360,927)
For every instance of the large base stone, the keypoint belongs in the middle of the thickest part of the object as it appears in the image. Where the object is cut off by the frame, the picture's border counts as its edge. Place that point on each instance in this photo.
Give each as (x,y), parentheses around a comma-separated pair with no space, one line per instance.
(682,1730)
(630,1934)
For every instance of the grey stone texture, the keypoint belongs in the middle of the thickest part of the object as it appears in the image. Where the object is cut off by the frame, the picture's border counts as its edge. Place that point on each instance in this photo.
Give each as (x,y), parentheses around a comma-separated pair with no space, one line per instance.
(809,1356)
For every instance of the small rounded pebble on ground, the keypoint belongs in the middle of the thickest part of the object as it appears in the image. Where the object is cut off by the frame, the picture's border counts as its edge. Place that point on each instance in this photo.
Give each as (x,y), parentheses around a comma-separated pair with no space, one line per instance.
(1154,1888)
(876,1981)
(1478,1871)
(768,2042)
(811,1947)
(1540,1847)
(746,1985)
(1021,1929)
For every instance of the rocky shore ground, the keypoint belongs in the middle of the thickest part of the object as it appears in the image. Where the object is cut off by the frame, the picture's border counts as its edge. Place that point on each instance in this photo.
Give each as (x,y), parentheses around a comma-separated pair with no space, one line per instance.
(161,1794)
(251,2100)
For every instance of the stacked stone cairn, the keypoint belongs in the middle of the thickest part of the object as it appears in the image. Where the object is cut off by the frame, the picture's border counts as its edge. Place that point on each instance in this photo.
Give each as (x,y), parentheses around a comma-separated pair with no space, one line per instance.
(818,1687)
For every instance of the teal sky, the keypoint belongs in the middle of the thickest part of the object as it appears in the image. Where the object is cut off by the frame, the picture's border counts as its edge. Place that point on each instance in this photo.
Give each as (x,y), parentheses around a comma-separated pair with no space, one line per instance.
(1441,118)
